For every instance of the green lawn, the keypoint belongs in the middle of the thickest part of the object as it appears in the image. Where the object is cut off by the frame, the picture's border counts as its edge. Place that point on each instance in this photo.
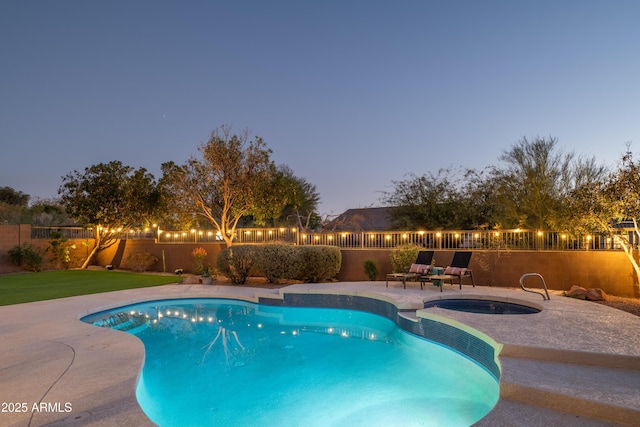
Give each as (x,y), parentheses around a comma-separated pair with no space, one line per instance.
(28,287)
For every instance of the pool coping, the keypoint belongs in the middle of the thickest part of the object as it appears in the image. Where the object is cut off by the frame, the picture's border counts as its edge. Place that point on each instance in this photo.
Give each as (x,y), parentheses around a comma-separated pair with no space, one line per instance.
(48,356)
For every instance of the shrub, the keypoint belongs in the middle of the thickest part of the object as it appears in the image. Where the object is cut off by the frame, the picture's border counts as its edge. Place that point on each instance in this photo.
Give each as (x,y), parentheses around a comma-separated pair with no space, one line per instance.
(141,261)
(237,262)
(403,256)
(59,248)
(371,269)
(279,261)
(15,255)
(27,256)
(320,262)
(199,261)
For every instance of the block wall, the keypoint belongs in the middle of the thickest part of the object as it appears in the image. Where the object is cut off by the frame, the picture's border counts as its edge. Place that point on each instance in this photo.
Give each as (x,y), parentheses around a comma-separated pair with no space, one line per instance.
(609,270)
(11,235)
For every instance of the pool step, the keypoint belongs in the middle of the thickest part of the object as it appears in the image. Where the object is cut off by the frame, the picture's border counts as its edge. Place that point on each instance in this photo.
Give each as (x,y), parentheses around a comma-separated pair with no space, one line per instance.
(602,393)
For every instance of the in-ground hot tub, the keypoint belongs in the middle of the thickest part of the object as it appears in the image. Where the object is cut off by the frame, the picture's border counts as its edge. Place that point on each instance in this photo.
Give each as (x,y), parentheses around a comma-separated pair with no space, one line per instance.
(483,306)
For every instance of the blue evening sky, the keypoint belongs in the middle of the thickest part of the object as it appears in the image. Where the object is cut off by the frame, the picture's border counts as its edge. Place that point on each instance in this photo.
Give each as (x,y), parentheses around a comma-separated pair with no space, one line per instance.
(350,94)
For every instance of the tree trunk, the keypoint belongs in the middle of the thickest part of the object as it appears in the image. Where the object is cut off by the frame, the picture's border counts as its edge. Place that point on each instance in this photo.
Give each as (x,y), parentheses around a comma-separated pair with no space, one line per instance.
(98,247)
(628,250)
(87,261)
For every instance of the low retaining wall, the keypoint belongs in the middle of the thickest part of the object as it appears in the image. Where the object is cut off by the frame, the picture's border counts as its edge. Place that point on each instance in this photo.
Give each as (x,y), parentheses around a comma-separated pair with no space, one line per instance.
(608,270)
(170,256)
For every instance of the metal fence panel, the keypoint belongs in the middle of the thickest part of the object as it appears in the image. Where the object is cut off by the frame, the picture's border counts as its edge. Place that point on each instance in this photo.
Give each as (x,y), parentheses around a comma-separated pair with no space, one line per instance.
(66,232)
(451,239)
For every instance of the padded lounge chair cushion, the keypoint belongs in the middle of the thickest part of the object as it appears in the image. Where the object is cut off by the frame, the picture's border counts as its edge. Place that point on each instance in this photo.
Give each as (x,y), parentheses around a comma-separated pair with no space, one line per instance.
(419,268)
(455,271)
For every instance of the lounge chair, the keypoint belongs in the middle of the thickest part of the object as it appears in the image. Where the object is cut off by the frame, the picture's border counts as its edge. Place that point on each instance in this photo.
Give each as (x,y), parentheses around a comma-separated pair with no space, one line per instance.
(458,269)
(416,271)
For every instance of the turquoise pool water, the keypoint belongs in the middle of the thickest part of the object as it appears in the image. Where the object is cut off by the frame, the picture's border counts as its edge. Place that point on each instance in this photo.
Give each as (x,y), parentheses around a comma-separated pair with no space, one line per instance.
(232,363)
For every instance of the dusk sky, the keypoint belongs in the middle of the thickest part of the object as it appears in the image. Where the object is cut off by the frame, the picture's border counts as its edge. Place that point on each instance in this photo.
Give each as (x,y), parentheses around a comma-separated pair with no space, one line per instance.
(351,95)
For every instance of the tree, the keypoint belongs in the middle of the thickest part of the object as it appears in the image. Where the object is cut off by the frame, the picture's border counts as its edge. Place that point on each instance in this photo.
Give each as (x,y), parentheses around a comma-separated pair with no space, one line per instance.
(535,180)
(478,207)
(431,201)
(532,180)
(12,203)
(13,197)
(527,190)
(303,205)
(601,205)
(225,183)
(271,195)
(10,214)
(109,197)
(45,213)
(301,200)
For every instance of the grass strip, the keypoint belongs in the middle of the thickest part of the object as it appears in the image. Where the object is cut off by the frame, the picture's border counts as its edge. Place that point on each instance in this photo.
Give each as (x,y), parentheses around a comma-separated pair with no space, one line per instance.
(29,287)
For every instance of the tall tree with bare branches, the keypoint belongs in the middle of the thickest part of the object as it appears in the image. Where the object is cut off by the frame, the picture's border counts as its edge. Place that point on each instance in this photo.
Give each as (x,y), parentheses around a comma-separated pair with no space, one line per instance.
(224,183)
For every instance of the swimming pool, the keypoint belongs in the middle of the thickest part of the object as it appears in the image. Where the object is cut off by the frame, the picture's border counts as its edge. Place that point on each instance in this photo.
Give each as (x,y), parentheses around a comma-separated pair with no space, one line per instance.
(228,362)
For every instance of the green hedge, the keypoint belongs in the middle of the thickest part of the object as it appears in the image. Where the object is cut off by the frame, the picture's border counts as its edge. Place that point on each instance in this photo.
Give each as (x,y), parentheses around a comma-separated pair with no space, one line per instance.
(278,262)
(403,256)
(238,262)
(321,262)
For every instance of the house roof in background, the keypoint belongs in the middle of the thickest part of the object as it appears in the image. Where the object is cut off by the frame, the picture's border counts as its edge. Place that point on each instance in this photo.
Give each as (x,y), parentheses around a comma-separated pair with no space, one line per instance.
(369,219)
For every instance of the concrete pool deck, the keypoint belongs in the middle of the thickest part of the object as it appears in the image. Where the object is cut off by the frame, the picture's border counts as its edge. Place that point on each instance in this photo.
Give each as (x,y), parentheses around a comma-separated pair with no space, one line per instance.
(576,363)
